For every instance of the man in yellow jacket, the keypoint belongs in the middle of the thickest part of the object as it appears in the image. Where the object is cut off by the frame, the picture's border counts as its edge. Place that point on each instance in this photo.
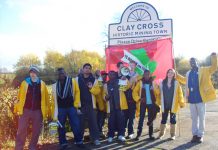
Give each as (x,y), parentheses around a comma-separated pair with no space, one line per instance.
(33,105)
(65,100)
(89,88)
(116,100)
(199,90)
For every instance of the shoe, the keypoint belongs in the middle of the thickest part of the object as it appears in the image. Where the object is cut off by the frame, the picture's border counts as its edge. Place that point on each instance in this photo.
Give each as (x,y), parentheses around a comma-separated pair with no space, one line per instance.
(110,139)
(151,138)
(150,132)
(131,136)
(97,142)
(199,140)
(121,138)
(194,139)
(102,136)
(137,138)
(173,137)
(173,131)
(162,131)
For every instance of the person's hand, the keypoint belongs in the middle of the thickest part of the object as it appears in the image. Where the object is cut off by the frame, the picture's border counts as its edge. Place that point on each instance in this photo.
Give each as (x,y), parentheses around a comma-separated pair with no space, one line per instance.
(213,54)
(90,85)
(107,97)
(79,112)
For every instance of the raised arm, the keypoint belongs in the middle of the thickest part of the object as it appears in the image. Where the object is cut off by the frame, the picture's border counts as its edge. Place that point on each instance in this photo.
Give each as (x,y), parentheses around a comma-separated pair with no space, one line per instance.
(181,79)
(213,66)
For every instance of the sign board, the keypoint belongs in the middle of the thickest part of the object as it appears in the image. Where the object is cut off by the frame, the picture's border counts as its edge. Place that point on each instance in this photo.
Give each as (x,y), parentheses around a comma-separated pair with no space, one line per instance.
(139,24)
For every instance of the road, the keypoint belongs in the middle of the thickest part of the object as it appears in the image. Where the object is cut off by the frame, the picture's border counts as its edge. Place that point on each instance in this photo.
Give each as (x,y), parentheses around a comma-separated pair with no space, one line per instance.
(182,141)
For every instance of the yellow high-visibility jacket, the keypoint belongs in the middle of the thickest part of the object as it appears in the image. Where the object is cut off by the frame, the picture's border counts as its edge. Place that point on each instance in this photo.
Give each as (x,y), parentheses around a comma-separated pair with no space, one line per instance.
(101,103)
(207,91)
(45,104)
(137,91)
(54,103)
(95,90)
(178,99)
(122,97)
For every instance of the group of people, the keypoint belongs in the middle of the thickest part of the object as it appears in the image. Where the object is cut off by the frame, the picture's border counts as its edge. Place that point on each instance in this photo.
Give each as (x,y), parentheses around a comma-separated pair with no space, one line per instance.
(90,97)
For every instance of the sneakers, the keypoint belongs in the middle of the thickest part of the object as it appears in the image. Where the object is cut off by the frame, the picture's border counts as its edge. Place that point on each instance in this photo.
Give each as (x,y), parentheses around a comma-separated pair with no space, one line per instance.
(110,139)
(131,136)
(173,137)
(121,138)
(97,142)
(199,140)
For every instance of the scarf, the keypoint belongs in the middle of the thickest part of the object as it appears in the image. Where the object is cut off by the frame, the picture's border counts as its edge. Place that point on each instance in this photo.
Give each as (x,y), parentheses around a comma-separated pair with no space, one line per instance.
(67,88)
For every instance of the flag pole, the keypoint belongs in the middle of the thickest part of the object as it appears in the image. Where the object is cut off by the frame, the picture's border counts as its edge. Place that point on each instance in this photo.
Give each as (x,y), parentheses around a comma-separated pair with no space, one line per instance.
(178,114)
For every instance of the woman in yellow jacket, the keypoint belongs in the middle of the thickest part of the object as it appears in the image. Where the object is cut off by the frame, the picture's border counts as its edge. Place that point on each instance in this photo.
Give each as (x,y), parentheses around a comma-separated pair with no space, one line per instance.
(171,99)
(116,104)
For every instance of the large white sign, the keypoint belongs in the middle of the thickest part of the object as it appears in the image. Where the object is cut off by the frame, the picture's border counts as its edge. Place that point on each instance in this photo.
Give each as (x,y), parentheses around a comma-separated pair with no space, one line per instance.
(139,23)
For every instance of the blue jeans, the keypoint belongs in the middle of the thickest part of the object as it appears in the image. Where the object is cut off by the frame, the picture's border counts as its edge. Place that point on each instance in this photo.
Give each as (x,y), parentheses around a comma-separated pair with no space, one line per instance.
(101,116)
(129,117)
(165,116)
(116,122)
(72,115)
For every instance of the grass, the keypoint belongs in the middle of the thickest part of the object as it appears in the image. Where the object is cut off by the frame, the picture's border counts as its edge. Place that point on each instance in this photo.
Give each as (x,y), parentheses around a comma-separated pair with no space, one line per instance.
(7,145)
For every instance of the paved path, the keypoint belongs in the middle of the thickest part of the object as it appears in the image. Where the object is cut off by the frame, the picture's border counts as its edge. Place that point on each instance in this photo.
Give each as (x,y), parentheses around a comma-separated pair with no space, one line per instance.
(182,141)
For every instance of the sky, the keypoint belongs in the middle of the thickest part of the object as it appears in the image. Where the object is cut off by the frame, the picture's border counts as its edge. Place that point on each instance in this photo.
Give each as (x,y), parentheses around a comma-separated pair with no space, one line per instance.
(35,26)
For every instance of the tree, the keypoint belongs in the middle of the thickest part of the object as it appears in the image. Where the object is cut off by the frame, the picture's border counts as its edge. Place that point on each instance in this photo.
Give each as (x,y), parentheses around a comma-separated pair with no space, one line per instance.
(53,60)
(182,65)
(76,59)
(27,60)
(22,67)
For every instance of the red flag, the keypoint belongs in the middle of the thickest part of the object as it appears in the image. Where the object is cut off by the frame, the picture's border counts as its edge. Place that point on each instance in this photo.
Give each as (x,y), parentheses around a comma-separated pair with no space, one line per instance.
(159,51)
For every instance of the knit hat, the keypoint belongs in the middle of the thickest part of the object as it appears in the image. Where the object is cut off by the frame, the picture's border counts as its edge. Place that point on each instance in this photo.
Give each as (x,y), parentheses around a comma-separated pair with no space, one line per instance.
(34,69)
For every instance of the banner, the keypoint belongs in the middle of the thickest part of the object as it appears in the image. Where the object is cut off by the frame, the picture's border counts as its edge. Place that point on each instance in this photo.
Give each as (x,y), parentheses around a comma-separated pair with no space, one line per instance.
(156,56)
